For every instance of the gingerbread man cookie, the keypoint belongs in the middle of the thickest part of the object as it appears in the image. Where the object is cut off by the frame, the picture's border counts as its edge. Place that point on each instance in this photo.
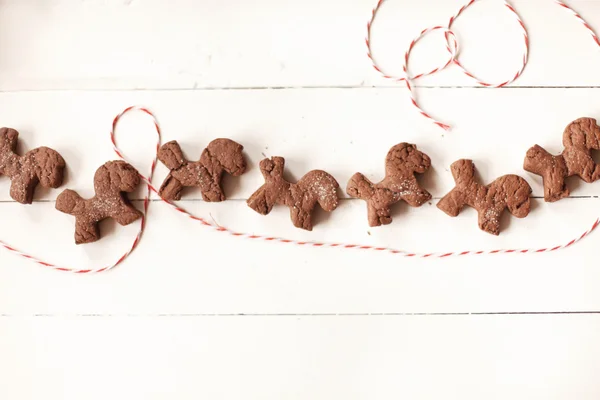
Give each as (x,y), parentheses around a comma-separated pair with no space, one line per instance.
(42,165)
(111,181)
(508,191)
(315,187)
(402,162)
(221,155)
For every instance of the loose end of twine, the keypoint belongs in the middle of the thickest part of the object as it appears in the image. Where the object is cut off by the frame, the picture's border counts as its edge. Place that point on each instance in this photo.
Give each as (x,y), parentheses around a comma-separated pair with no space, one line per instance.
(445,127)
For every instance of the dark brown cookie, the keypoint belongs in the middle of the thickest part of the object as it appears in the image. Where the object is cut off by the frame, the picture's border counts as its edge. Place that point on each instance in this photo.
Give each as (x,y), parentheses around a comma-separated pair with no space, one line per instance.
(111,181)
(221,155)
(42,165)
(401,163)
(508,191)
(314,187)
(579,139)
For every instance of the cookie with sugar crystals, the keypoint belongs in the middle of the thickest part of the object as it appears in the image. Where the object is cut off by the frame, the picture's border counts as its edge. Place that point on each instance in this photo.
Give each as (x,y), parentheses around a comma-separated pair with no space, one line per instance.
(111,183)
(507,192)
(42,166)
(580,137)
(315,187)
(220,156)
(402,162)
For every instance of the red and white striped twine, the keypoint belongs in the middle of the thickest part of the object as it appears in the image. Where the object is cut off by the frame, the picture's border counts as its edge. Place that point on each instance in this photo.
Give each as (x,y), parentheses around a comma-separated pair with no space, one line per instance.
(138,237)
(580,18)
(264,238)
(453,50)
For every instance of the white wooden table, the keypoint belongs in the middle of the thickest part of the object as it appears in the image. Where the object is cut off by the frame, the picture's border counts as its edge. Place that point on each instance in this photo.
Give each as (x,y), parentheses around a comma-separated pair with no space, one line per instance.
(193,314)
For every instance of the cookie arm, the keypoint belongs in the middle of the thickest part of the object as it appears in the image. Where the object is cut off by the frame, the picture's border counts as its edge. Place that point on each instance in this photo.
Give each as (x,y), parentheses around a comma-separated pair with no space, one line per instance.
(452,203)
(259,201)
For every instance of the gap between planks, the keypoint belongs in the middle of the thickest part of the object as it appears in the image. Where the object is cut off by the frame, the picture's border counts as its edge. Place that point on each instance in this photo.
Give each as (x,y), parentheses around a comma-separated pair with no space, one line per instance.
(310,87)
(246,315)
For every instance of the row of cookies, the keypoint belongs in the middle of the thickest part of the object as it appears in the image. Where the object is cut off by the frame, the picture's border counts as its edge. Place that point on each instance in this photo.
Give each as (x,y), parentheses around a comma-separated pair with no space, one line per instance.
(45,166)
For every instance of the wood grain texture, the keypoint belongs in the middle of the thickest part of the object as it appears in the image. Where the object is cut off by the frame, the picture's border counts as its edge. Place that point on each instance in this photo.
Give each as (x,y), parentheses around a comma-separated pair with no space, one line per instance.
(198,314)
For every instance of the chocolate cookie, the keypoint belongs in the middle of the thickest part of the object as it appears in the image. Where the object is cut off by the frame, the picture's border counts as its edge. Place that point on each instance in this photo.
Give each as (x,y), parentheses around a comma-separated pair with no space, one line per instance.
(508,191)
(42,165)
(579,139)
(110,182)
(314,187)
(221,155)
(401,163)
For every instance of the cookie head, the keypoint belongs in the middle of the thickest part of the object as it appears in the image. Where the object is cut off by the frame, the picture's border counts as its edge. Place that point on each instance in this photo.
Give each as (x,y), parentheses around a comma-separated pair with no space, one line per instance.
(229,155)
(49,167)
(67,201)
(406,157)
(518,194)
(171,155)
(583,133)
(116,176)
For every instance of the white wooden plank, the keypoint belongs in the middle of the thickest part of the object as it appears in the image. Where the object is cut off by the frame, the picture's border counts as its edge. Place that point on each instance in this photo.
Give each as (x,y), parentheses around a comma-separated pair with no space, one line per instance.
(416,357)
(340,131)
(74,44)
(325,137)
(183,268)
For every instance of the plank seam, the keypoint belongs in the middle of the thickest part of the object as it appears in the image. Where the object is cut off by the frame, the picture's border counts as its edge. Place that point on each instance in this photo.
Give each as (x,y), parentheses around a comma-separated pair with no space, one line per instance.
(245,315)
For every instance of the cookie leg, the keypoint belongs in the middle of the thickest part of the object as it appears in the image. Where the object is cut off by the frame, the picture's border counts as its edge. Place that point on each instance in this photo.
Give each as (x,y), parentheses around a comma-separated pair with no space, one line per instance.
(489,220)
(86,231)
(596,173)
(580,163)
(22,188)
(417,198)
(301,219)
(126,214)
(171,188)
(555,187)
(378,216)
(552,169)
(213,193)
